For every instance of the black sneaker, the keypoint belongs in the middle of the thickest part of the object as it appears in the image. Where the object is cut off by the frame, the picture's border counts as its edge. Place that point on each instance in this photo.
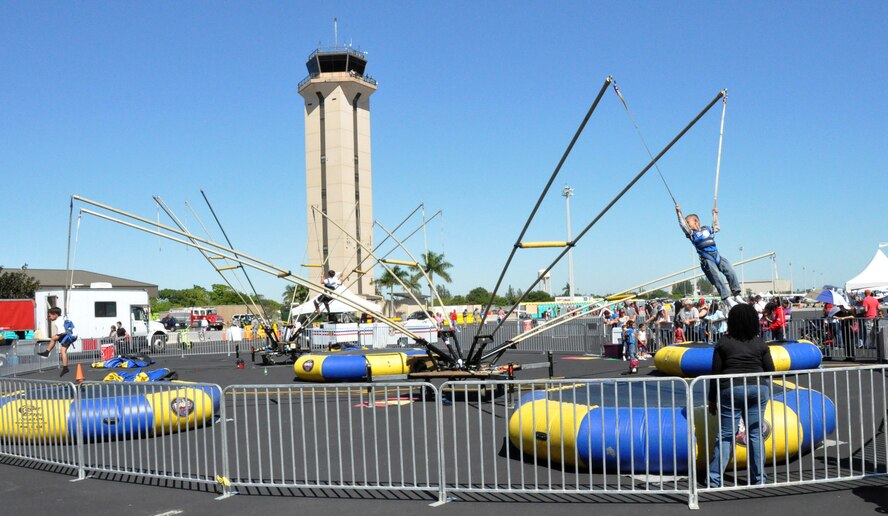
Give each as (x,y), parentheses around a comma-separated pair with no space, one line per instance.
(44,354)
(65,371)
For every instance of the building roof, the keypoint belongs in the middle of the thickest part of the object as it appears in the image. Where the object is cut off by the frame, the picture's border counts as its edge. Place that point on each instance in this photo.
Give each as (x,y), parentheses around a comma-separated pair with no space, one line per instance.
(55,278)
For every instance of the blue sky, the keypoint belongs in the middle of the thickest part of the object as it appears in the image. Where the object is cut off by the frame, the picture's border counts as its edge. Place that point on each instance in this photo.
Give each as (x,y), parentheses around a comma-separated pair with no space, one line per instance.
(119,101)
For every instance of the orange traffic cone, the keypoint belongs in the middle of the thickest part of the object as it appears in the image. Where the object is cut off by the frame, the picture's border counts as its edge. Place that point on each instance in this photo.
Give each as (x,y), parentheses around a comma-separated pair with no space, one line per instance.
(79,376)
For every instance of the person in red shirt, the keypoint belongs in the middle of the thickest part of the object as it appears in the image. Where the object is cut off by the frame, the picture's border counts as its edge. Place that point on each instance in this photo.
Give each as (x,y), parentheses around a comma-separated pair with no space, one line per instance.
(872,318)
(776,317)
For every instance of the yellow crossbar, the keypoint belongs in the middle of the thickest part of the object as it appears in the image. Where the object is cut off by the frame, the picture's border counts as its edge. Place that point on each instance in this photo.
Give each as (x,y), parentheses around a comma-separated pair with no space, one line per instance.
(526,245)
(312,265)
(401,262)
(227,268)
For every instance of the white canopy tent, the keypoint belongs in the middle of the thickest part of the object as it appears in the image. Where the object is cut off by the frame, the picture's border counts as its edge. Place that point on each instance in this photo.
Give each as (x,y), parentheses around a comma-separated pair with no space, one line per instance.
(873,277)
(336,306)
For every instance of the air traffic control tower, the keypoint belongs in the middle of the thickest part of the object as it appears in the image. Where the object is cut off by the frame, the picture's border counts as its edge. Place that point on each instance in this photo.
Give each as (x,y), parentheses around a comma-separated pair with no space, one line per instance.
(337,165)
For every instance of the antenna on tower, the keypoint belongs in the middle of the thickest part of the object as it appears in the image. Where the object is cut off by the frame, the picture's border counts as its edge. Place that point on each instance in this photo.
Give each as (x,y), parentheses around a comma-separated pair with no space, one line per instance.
(335,33)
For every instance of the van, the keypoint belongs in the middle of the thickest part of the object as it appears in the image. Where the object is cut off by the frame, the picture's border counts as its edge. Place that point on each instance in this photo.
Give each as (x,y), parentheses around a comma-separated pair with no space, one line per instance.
(95,309)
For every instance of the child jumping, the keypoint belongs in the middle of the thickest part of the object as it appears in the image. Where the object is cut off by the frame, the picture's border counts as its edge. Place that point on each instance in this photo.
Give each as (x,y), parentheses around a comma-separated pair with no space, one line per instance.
(703,238)
(331,283)
(63,334)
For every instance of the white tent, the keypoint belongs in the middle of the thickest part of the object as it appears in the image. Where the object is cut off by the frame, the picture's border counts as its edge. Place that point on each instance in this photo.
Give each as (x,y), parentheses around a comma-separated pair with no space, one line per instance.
(336,306)
(873,277)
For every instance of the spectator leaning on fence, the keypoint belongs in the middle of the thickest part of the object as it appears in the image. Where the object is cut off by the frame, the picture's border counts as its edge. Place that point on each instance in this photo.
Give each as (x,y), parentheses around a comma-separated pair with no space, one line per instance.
(871,323)
(688,317)
(717,322)
(741,351)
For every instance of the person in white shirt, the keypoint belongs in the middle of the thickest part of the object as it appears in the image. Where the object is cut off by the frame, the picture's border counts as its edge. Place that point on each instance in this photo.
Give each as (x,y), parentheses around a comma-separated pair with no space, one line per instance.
(203,329)
(331,282)
(62,334)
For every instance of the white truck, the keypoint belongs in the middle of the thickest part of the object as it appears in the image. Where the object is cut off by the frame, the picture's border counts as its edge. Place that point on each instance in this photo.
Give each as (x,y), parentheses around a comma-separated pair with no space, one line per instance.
(96,308)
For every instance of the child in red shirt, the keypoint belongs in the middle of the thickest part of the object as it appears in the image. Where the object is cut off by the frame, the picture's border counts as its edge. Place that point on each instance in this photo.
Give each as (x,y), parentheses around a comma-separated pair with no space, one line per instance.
(679,335)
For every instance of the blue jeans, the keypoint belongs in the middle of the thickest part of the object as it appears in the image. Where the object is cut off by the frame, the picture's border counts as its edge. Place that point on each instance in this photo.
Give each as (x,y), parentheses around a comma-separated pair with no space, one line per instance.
(748,401)
(711,269)
(630,350)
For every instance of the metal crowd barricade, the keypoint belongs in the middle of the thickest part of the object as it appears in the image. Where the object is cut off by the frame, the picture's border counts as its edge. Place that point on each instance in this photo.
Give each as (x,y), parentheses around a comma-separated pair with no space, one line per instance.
(821,426)
(381,436)
(620,436)
(171,431)
(849,339)
(36,419)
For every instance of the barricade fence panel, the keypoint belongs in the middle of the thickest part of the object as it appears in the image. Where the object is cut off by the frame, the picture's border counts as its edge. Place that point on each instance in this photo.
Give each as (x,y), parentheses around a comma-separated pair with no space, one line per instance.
(38,421)
(355,436)
(21,357)
(570,436)
(168,430)
(804,427)
(851,339)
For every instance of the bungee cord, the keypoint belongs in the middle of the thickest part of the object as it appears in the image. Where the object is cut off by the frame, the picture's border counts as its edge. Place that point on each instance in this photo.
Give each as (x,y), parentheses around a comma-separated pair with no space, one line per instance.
(474,355)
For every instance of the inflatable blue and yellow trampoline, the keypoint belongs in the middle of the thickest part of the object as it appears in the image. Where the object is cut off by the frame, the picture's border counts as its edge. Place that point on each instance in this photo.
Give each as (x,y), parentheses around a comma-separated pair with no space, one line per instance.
(49,414)
(584,427)
(693,359)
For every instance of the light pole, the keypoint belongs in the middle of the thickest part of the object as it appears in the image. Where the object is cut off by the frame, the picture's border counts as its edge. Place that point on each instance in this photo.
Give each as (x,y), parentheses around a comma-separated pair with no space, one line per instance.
(790,277)
(742,273)
(804,280)
(813,279)
(567,192)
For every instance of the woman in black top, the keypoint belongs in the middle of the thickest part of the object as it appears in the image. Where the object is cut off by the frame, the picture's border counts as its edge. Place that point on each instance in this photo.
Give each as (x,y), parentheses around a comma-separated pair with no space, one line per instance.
(740,351)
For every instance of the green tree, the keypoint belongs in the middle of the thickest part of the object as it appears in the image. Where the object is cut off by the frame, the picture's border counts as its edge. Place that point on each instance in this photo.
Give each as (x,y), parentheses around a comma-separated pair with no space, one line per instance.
(511,296)
(225,295)
(659,293)
(389,279)
(539,296)
(434,265)
(478,296)
(682,289)
(301,293)
(194,296)
(444,292)
(17,285)
(705,288)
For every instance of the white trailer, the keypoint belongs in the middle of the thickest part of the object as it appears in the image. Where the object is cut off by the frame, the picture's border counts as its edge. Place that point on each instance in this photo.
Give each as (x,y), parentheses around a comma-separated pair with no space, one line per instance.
(370,335)
(94,309)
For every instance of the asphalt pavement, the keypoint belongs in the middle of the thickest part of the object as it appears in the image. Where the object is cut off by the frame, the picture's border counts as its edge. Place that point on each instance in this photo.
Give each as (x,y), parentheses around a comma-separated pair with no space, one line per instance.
(26,487)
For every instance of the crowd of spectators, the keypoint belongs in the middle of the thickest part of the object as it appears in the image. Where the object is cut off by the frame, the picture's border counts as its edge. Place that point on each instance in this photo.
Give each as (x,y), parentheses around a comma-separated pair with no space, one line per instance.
(666,322)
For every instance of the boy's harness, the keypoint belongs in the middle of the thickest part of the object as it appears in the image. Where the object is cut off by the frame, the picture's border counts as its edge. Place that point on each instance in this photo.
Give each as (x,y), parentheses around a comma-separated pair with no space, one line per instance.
(69,337)
(704,243)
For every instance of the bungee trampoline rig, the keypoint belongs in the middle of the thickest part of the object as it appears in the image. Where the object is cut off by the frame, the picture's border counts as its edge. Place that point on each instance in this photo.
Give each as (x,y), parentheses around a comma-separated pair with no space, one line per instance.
(444,360)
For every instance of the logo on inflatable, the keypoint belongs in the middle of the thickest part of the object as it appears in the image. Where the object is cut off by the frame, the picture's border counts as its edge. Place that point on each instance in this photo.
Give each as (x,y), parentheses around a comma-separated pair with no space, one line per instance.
(741,434)
(308,365)
(28,410)
(182,406)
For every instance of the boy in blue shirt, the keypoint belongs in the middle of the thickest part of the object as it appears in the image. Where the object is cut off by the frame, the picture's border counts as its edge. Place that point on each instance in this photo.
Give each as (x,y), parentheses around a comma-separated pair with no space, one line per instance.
(630,345)
(703,238)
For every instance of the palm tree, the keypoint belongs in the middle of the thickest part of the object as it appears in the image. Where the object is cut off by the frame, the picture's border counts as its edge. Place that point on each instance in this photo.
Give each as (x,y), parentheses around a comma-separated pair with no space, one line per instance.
(390,279)
(434,265)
